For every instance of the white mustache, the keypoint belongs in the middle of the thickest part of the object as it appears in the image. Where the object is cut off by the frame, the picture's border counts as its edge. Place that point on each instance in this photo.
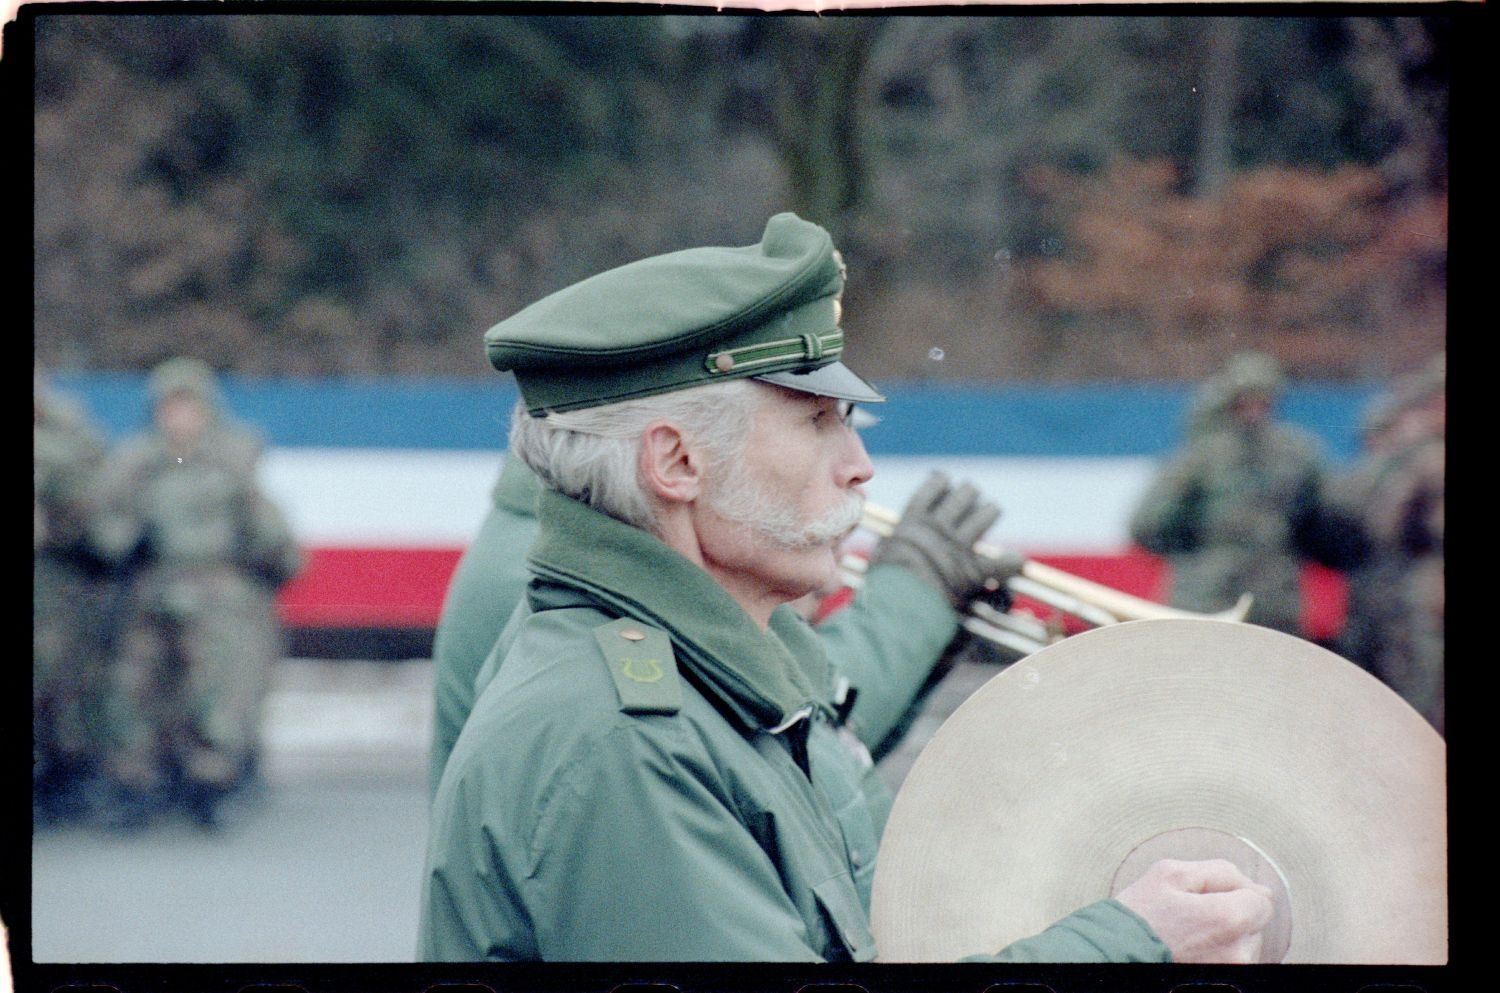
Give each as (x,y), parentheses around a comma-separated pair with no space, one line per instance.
(776,520)
(835,524)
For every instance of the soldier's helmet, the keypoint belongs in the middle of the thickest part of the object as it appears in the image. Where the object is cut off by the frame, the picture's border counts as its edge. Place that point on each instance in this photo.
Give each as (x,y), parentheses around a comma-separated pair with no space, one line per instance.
(185,375)
(1250,373)
(1245,374)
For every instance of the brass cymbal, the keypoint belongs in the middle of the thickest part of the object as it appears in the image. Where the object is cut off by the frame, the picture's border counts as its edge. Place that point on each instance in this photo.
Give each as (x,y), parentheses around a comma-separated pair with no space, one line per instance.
(1063,777)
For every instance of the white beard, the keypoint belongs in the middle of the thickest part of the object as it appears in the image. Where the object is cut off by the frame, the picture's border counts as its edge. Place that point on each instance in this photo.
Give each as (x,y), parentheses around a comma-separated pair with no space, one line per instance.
(740,499)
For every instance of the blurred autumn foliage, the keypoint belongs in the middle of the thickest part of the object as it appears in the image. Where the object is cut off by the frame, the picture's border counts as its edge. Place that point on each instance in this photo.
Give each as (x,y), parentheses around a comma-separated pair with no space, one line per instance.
(1043,198)
(1311,265)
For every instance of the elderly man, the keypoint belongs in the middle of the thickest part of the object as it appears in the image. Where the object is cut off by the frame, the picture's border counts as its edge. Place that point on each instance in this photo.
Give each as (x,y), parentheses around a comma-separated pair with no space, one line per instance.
(655,769)
(891,644)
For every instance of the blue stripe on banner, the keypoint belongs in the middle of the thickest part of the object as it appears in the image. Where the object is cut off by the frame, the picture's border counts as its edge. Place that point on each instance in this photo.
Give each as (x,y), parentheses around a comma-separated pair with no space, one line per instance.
(918,419)
(321,413)
(1090,421)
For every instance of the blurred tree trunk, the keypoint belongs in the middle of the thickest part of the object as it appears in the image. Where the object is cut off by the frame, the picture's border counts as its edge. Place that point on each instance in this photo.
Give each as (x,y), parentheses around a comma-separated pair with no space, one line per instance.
(1383,55)
(816,97)
(1219,90)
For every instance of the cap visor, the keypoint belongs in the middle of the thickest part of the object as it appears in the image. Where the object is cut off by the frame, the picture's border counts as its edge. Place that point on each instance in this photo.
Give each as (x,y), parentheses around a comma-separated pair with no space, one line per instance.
(833,380)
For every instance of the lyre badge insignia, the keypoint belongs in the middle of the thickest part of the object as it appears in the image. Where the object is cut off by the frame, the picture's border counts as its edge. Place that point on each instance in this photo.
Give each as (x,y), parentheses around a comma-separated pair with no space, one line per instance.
(641,670)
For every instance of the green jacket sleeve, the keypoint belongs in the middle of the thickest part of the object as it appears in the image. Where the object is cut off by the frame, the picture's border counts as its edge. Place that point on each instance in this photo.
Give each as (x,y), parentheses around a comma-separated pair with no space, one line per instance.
(1106,931)
(1168,517)
(486,586)
(268,549)
(886,643)
(118,527)
(488,582)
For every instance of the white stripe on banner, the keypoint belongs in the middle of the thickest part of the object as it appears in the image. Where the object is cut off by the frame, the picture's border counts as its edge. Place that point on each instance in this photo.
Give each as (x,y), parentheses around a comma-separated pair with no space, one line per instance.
(404,498)
(1061,506)
(384,498)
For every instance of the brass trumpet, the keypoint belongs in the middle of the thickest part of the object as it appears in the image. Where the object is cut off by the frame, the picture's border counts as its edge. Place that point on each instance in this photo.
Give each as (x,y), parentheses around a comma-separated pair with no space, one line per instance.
(1088,601)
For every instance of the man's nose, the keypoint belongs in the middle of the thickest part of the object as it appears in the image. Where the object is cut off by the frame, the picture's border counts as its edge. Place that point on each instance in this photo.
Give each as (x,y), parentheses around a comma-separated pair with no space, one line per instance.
(857,468)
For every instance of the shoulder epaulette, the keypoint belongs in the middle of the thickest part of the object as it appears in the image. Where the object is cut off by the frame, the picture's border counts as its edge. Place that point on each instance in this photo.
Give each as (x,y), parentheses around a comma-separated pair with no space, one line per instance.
(641,662)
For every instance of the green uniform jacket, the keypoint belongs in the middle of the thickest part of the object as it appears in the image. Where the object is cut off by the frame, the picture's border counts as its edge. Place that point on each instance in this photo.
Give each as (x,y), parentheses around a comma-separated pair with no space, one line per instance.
(884,644)
(488,583)
(676,796)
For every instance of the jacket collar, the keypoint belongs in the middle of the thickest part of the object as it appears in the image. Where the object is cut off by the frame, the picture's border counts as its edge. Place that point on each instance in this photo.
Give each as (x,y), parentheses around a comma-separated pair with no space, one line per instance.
(517,487)
(766,678)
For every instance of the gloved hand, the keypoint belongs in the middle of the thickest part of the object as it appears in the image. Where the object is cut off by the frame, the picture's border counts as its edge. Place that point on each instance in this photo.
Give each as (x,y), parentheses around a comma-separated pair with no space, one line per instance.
(935,539)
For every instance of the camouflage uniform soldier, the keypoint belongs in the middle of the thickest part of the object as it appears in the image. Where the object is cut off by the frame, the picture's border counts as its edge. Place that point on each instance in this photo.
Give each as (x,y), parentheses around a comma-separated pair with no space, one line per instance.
(1422,682)
(1370,609)
(209,551)
(71,594)
(1395,618)
(1243,506)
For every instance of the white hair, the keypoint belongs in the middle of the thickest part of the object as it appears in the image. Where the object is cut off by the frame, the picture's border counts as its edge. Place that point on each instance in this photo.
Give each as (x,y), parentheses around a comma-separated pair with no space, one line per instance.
(592,454)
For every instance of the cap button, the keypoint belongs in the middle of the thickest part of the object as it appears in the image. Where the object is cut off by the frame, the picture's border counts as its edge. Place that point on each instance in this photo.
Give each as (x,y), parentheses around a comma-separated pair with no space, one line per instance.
(723,362)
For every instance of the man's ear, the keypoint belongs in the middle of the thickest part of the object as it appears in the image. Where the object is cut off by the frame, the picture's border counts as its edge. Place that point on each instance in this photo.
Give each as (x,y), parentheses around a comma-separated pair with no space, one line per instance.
(671,467)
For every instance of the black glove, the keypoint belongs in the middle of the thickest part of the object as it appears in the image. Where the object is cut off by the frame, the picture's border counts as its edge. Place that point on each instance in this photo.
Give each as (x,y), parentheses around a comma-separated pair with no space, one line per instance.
(936,537)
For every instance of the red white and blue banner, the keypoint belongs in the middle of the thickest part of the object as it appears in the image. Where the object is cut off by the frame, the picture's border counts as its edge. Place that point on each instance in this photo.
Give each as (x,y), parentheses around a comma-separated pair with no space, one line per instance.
(385,480)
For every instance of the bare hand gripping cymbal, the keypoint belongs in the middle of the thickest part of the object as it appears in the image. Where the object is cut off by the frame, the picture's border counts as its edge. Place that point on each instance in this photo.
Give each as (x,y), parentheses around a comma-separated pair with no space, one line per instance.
(1059,781)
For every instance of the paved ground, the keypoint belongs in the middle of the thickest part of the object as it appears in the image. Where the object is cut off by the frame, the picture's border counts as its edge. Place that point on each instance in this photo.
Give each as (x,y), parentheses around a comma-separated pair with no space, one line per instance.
(323,865)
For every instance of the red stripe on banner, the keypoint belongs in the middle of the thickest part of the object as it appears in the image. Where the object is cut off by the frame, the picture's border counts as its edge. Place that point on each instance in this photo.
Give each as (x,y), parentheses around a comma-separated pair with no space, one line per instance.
(1140,573)
(404,587)
(369,587)
(1325,596)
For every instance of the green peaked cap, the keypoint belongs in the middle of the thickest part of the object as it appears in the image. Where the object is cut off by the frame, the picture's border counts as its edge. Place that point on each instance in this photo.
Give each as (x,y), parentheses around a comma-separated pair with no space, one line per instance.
(687,318)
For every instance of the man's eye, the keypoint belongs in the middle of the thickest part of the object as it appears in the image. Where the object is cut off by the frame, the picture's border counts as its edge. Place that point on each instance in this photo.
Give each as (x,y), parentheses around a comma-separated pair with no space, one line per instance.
(842,413)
